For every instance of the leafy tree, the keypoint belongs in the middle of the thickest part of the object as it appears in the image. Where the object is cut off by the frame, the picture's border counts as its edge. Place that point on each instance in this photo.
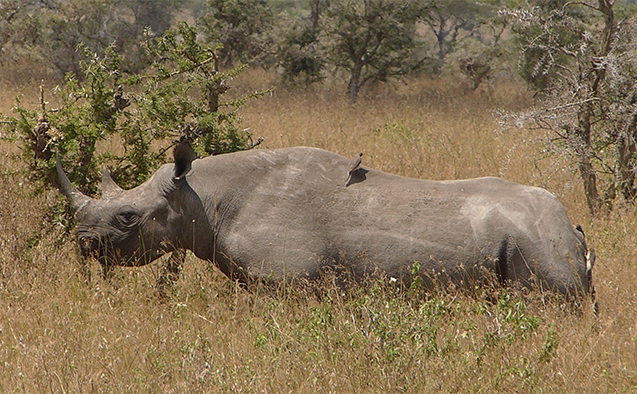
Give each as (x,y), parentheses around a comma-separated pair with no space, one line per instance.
(19,29)
(451,20)
(71,24)
(372,40)
(483,51)
(587,59)
(51,31)
(243,27)
(186,89)
(299,53)
(181,97)
(470,31)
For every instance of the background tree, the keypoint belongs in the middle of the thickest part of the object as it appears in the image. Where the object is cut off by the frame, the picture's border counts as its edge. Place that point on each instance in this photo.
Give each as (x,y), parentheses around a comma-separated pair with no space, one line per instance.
(587,59)
(484,51)
(20,28)
(451,20)
(51,31)
(372,40)
(71,24)
(243,27)
(298,50)
(299,53)
(133,18)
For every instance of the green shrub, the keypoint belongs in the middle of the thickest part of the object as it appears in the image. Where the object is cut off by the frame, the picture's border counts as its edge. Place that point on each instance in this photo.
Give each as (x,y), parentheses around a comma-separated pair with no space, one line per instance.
(180,96)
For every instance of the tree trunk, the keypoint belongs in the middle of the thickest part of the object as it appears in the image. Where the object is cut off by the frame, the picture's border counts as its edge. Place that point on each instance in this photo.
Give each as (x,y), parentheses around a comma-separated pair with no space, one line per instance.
(582,135)
(354,82)
(626,149)
(580,141)
(589,177)
(626,140)
(314,14)
(440,37)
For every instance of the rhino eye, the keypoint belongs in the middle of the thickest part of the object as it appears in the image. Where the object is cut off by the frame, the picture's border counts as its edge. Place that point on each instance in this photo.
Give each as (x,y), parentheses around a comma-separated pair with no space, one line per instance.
(128,217)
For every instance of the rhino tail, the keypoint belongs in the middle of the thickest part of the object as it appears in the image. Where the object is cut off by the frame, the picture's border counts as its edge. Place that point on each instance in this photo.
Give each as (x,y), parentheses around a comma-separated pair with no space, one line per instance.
(590,257)
(590,253)
(590,262)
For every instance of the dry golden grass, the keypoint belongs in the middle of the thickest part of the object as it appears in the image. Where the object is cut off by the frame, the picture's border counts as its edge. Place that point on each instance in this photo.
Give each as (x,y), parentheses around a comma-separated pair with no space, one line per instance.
(61,334)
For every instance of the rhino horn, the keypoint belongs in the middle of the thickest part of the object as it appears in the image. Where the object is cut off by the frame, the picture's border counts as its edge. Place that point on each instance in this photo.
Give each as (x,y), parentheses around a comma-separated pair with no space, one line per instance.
(109,187)
(76,198)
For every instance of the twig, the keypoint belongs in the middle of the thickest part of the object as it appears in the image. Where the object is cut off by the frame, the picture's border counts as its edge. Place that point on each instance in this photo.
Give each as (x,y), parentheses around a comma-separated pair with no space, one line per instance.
(195,66)
(191,68)
(203,318)
(60,381)
(572,104)
(579,3)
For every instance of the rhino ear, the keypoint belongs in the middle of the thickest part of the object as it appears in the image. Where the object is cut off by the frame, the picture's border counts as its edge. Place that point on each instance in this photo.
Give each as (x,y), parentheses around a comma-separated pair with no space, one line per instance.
(109,187)
(184,156)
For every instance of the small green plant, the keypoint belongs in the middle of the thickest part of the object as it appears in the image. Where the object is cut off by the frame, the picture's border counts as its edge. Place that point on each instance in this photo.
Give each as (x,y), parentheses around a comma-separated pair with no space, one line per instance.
(514,321)
(417,285)
(180,96)
(551,343)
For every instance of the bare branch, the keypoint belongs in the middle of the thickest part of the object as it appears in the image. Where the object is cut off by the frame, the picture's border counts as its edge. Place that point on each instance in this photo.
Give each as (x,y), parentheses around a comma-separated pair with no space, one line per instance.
(569,105)
(570,3)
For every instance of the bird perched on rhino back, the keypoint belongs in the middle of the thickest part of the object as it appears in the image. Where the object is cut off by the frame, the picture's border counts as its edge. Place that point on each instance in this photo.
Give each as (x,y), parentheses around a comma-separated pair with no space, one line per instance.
(353,166)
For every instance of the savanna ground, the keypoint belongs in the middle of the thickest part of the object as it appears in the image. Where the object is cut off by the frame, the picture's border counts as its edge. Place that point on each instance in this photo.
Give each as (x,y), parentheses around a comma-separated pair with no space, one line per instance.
(60,333)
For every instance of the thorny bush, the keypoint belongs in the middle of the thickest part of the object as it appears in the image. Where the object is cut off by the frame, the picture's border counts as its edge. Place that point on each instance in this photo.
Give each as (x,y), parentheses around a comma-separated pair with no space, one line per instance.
(180,96)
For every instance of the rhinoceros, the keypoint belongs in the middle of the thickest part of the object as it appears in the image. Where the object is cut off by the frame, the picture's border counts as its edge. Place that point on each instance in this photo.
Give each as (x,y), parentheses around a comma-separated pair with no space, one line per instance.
(287,213)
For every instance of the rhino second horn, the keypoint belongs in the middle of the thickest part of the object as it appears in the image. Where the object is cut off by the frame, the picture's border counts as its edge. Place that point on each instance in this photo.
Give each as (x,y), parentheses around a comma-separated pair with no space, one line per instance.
(76,198)
(109,187)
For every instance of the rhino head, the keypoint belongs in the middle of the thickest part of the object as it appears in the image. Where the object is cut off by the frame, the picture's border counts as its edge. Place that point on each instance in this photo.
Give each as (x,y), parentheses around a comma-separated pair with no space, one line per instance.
(132,227)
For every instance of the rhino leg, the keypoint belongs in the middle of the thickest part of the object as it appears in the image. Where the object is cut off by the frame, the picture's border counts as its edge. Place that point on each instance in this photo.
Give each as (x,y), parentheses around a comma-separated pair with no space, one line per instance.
(511,264)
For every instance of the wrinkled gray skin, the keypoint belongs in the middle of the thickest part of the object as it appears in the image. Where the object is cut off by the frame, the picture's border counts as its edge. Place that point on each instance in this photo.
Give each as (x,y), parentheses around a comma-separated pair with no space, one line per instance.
(275,214)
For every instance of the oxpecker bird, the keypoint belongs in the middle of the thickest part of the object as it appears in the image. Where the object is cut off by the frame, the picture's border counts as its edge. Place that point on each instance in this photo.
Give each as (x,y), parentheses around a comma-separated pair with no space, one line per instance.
(353,166)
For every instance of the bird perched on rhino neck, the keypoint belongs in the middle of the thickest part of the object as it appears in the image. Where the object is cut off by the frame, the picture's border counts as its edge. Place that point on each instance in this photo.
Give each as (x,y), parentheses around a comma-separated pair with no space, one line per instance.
(353,166)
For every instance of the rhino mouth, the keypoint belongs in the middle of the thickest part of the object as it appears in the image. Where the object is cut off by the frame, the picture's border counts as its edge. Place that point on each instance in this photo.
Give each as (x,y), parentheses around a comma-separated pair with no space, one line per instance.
(90,245)
(107,250)
(94,246)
